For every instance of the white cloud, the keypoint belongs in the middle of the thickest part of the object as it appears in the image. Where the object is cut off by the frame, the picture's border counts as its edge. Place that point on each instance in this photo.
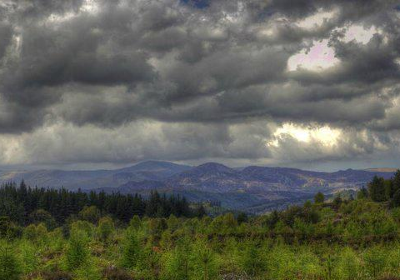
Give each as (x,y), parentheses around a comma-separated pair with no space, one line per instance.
(317,19)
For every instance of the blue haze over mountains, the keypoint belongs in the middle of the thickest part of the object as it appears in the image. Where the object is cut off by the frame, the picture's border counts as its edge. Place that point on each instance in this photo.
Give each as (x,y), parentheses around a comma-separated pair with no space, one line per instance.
(252,189)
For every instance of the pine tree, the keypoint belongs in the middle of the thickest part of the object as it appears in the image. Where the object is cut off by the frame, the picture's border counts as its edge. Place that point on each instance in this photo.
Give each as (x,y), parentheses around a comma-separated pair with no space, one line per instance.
(242,218)
(395,202)
(132,251)
(9,266)
(376,189)
(106,228)
(251,259)
(396,181)
(319,198)
(207,267)
(135,223)
(177,264)
(77,253)
(389,190)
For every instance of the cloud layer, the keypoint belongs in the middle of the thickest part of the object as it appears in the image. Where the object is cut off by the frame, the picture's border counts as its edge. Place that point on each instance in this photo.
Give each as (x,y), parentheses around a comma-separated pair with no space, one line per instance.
(94,81)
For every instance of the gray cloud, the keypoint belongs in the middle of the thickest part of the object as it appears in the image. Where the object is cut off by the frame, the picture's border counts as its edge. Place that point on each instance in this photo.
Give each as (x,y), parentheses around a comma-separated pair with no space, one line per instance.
(203,76)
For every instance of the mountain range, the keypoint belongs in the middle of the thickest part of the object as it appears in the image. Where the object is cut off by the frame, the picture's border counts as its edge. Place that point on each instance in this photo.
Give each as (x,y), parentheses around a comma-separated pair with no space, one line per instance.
(253,189)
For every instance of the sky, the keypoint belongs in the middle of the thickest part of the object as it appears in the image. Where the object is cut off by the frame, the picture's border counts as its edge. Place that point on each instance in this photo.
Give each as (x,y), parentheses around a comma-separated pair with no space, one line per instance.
(89,84)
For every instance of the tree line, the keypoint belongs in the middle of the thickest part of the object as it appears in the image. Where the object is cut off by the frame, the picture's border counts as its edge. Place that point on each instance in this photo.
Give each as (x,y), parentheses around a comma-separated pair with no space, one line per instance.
(383,190)
(21,204)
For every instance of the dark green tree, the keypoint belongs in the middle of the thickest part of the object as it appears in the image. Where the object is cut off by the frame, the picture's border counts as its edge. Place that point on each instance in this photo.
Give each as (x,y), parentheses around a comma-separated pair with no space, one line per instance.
(395,202)
(242,218)
(319,198)
(376,189)
(200,211)
(396,182)
(337,201)
(389,190)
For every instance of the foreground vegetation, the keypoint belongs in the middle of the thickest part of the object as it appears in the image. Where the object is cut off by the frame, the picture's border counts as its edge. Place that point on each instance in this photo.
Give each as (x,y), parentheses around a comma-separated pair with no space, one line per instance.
(340,239)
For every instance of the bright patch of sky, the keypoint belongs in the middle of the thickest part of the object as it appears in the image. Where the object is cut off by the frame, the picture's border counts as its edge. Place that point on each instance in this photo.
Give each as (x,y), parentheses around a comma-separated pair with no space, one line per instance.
(360,34)
(319,57)
(324,135)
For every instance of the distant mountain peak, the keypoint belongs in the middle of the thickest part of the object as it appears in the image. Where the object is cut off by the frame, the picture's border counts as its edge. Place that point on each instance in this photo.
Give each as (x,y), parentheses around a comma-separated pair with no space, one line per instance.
(214,166)
(155,164)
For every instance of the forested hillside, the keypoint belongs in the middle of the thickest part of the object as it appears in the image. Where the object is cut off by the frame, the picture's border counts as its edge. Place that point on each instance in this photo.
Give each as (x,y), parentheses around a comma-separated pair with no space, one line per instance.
(24,204)
(343,238)
(253,189)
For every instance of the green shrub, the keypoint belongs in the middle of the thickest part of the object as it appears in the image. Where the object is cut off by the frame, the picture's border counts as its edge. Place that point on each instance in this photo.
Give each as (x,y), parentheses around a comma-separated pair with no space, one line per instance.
(36,233)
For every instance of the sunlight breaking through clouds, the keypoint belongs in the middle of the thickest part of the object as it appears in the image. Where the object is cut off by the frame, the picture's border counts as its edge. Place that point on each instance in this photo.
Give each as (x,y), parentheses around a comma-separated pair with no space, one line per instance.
(323,135)
(319,57)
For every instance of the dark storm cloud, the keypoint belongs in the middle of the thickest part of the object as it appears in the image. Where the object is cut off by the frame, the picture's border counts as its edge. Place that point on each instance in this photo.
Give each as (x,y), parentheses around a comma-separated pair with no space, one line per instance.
(364,64)
(74,53)
(196,66)
(5,38)
(116,45)
(35,9)
(350,10)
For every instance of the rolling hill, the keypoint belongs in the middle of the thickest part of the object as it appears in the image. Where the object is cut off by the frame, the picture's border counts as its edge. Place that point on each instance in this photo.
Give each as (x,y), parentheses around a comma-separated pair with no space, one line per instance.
(253,188)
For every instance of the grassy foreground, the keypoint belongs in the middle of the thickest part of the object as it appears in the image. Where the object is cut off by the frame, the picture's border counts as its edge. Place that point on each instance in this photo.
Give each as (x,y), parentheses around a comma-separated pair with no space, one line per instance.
(341,239)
